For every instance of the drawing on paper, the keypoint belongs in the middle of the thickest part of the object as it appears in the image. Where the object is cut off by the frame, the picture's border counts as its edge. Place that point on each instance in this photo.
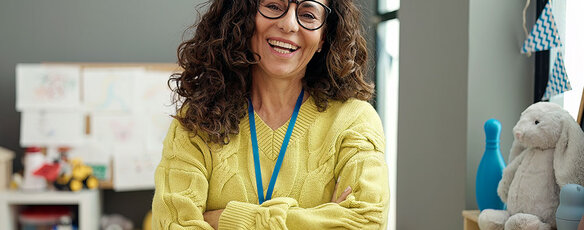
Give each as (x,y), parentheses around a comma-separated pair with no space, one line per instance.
(134,169)
(51,128)
(47,87)
(154,96)
(120,130)
(109,89)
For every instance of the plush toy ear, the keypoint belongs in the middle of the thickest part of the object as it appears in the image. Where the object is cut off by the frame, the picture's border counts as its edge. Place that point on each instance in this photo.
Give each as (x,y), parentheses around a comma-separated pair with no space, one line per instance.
(516,149)
(569,153)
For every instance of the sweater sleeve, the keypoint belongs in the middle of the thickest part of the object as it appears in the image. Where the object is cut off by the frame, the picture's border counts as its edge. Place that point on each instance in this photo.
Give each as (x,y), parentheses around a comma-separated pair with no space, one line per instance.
(181,181)
(360,164)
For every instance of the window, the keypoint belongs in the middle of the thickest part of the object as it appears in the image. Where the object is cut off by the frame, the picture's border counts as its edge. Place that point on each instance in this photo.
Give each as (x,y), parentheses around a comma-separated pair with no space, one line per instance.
(574,53)
(569,20)
(387,89)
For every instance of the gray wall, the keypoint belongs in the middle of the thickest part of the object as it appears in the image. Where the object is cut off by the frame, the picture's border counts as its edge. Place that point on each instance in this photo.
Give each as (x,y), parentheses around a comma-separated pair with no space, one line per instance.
(35,31)
(460,65)
(432,123)
(500,79)
(83,31)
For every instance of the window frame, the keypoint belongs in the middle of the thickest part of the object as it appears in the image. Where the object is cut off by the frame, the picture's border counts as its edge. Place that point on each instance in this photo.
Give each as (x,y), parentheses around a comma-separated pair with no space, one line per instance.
(542,63)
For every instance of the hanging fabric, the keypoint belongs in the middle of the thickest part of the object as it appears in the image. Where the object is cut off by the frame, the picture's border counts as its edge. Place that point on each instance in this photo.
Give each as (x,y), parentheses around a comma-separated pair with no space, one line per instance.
(558,80)
(544,34)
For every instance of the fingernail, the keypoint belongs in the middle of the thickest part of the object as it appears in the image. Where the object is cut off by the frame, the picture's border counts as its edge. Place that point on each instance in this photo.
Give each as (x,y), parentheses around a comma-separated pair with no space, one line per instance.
(348,188)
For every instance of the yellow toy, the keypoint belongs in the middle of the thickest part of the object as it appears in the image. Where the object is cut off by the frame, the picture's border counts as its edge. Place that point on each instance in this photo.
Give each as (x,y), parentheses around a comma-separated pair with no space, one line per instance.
(81,176)
(147,223)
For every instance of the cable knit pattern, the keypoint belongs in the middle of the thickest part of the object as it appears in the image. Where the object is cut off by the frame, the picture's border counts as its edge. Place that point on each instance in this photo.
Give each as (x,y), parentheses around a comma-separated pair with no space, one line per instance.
(343,145)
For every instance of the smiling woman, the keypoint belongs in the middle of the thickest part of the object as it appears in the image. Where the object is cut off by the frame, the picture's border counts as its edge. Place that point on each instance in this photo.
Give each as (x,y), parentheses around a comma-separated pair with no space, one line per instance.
(273,95)
(220,51)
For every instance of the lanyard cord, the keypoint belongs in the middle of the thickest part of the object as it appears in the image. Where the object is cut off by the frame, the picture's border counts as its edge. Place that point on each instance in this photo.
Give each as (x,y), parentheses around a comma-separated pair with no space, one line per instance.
(256,157)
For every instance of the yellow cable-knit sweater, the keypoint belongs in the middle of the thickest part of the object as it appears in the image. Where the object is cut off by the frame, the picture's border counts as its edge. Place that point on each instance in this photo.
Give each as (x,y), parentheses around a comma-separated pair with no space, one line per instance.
(343,145)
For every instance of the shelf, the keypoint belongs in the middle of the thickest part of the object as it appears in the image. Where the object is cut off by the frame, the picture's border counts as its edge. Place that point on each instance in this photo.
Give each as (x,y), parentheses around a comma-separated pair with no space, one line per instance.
(87,200)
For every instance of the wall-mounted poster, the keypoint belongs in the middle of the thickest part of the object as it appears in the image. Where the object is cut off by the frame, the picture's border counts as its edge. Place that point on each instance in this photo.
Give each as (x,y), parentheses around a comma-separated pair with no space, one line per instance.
(153,94)
(44,128)
(47,87)
(109,89)
(117,130)
(134,168)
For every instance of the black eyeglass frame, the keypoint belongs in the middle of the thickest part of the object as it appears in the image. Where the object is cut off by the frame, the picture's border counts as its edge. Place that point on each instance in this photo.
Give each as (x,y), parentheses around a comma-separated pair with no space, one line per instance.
(327,12)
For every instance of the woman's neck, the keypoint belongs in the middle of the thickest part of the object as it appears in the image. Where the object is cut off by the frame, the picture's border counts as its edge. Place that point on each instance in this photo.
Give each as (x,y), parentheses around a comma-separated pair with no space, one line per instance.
(274,98)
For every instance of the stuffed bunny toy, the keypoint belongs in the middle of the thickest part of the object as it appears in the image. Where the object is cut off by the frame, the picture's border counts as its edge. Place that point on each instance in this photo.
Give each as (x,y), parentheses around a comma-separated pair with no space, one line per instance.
(547,153)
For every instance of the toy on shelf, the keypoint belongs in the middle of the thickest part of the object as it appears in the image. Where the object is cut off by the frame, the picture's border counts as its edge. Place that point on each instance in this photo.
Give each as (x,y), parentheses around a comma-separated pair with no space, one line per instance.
(58,165)
(490,169)
(571,209)
(65,174)
(15,181)
(81,176)
(33,160)
(548,153)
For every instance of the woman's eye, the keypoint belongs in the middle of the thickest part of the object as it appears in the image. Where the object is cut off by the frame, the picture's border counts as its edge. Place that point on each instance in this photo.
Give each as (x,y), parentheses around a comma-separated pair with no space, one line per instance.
(536,122)
(274,7)
(308,16)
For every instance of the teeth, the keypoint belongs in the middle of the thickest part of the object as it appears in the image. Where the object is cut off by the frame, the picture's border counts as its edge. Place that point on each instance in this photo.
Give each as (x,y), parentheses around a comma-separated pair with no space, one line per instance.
(283,44)
(283,51)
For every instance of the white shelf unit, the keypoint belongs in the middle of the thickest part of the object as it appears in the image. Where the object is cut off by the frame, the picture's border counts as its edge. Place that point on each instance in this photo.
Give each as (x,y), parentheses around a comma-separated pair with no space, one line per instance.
(88,202)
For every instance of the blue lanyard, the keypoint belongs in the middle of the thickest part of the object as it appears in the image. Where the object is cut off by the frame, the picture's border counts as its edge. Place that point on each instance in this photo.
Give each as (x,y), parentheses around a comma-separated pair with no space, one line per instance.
(256,157)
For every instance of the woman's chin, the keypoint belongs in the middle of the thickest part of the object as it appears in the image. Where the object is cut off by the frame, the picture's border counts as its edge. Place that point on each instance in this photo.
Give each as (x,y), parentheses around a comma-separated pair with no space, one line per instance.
(282,72)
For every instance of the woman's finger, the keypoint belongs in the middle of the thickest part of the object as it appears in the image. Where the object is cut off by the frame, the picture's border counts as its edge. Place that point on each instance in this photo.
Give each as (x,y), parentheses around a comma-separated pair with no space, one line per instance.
(344,195)
(335,193)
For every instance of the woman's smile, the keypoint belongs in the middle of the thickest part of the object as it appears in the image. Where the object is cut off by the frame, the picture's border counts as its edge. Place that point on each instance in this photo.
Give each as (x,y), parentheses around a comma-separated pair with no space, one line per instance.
(282,48)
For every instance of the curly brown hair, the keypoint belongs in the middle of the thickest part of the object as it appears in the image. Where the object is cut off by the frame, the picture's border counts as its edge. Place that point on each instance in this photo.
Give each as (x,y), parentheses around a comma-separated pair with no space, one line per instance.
(216,81)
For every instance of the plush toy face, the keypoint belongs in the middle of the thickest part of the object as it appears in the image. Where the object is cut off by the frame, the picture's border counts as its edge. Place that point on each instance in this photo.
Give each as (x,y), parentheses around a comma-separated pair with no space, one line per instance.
(539,126)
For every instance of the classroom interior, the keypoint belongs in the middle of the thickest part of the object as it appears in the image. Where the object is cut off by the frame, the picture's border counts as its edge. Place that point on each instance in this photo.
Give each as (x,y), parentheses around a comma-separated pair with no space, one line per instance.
(441,68)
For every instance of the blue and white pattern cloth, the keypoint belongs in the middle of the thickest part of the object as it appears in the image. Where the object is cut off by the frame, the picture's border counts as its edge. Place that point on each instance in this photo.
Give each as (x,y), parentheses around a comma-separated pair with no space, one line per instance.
(558,80)
(544,34)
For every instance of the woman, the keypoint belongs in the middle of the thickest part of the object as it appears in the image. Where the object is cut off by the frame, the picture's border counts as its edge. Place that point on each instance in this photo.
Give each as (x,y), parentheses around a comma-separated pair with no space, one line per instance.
(273,99)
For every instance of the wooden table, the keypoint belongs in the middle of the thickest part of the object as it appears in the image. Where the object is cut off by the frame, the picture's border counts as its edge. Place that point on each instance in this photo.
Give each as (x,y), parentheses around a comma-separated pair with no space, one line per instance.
(471,219)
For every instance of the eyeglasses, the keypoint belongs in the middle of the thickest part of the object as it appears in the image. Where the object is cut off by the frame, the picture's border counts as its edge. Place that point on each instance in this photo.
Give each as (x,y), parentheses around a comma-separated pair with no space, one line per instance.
(310,14)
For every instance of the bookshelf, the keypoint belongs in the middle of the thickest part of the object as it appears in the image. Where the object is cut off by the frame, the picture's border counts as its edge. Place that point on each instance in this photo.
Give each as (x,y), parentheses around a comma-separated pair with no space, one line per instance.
(88,202)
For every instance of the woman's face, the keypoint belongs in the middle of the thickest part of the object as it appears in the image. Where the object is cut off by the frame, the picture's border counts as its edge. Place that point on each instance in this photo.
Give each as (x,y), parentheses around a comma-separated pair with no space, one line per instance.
(284,46)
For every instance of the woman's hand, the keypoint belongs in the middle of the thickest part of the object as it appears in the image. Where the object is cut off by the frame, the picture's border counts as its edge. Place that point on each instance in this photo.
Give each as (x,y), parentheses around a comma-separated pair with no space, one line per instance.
(212,217)
(343,196)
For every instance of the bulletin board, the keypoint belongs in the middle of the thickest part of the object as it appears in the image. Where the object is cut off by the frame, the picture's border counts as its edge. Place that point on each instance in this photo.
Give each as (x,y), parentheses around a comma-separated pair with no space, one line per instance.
(113,116)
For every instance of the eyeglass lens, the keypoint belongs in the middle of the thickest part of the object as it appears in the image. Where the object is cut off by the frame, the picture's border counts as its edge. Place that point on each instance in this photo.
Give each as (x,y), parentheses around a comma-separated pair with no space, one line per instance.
(310,14)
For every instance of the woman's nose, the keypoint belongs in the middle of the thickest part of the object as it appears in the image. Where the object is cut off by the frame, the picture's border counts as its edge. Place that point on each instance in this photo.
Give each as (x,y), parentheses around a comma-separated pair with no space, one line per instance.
(288,22)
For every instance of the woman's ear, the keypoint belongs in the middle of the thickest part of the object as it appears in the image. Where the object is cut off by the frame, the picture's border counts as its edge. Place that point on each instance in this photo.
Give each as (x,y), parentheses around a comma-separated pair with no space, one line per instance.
(321,43)
(569,153)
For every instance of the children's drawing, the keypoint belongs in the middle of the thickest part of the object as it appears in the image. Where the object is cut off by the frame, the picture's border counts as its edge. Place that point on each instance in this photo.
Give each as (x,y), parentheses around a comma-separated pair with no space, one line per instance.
(110,90)
(124,130)
(51,128)
(153,93)
(157,128)
(134,169)
(47,87)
